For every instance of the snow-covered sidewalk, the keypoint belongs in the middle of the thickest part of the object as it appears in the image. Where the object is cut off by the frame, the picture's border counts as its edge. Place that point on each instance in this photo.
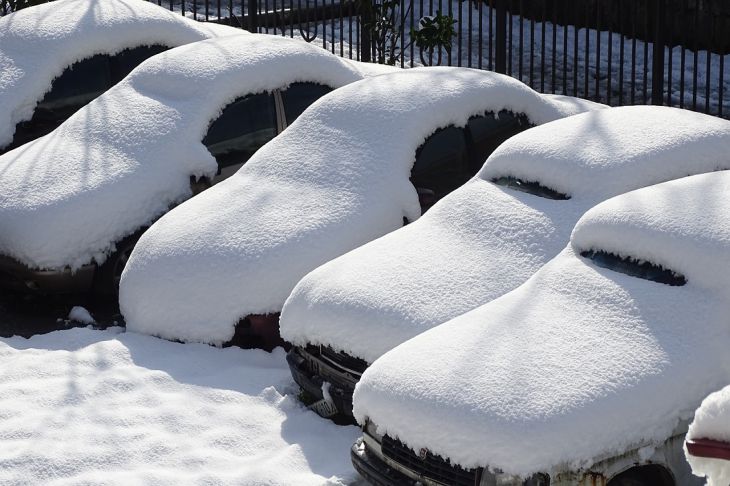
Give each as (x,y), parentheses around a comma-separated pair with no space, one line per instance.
(105,407)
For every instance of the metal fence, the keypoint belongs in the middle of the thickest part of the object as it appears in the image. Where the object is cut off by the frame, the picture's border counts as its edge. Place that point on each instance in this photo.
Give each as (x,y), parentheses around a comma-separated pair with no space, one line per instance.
(618,52)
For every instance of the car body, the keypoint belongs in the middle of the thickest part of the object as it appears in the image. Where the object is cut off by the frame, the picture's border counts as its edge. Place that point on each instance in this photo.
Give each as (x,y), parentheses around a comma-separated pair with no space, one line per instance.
(56,58)
(339,176)
(74,202)
(707,446)
(585,374)
(484,239)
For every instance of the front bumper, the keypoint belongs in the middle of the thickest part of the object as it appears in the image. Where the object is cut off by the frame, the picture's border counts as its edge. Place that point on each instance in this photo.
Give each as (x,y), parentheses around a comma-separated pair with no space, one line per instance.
(375,471)
(20,278)
(310,373)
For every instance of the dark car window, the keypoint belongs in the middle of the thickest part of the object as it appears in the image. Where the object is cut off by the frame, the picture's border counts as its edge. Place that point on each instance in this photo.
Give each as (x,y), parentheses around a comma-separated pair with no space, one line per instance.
(75,87)
(241,129)
(530,187)
(634,268)
(298,96)
(442,164)
(125,62)
(487,132)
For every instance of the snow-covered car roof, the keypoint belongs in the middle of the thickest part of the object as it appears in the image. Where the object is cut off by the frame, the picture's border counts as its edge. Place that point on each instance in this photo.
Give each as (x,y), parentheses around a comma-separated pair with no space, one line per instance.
(580,362)
(38,43)
(126,157)
(484,240)
(333,180)
(711,421)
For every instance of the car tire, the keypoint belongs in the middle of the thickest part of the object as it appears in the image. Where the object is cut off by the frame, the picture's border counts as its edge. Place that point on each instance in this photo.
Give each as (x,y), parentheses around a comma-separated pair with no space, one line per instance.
(108,275)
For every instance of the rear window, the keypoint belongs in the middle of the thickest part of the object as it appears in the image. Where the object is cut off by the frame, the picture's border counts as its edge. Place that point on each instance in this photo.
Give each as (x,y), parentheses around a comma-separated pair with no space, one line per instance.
(243,127)
(298,96)
(634,267)
(530,187)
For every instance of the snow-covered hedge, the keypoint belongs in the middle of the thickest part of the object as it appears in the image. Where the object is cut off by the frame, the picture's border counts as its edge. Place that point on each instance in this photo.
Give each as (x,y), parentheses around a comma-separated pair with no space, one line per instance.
(338,177)
(38,43)
(484,240)
(580,362)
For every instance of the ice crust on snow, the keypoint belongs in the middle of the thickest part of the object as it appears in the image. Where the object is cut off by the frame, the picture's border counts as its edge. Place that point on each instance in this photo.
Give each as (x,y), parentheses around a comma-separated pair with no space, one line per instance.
(711,421)
(484,240)
(333,180)
(588,360)
(127,157)
(38,43)
(98,407)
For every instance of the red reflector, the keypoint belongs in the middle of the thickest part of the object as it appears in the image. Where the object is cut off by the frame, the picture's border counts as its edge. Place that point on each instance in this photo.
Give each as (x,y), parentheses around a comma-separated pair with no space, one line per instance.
(714,449)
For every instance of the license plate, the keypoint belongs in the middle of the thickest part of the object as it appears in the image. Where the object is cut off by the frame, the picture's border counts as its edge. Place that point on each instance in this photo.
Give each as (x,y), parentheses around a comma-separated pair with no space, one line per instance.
(324,408)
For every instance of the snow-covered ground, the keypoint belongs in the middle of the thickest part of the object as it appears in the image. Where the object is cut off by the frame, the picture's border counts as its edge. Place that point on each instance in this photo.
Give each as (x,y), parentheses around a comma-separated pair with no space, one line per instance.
(104,407)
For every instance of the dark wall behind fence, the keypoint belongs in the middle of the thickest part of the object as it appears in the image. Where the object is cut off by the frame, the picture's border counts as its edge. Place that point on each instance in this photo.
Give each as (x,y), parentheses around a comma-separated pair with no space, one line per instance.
(618,52)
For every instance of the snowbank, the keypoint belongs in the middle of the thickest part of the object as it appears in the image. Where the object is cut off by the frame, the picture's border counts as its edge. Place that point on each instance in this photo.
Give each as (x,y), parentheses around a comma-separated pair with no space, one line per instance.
(335,179)
(127,157)
(96,407)
(587,360)
(484,240)
(37,44)
(712,421)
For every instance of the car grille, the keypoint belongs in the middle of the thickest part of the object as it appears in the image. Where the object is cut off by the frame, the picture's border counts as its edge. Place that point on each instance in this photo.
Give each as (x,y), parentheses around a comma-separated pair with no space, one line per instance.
(343,360)
(431,466)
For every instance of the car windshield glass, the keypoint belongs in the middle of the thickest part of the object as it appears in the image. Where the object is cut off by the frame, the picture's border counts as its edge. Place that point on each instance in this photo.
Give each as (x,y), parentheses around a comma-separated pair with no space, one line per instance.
(530,187)
(124,62)
(242,128)
(442,162)
(633,267)
(487,132)
(298,96)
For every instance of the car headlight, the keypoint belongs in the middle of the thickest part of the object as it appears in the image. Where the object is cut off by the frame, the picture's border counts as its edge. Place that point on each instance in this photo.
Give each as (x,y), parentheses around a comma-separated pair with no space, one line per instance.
(501,479)
(371,429)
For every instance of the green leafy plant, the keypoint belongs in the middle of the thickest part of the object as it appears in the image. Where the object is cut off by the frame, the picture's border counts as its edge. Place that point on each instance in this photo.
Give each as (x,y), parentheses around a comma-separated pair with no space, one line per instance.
(434,32)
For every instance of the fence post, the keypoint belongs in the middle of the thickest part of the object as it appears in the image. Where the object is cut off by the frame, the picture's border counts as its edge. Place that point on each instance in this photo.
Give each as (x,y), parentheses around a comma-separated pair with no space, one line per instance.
(500,50)
(252,14)
(366,14)
(657,66)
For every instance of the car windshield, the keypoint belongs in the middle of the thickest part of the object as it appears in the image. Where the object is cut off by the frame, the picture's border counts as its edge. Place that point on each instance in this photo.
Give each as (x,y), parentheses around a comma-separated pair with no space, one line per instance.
(634,267)
(530,187)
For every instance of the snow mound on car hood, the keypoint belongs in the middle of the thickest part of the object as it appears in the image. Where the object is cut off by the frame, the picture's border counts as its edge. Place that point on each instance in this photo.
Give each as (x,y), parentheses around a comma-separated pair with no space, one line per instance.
(335,179)
(37,43)
(712,421)
(482,241)
(126,157)
(585,359)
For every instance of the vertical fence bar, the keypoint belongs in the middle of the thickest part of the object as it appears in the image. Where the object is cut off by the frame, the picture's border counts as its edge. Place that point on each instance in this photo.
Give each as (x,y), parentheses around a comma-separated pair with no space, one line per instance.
(500,53)
(252,11)
(532,47)
(182,8)
(413,23)
(597,94)
(657,70)
(218,11)
(332,25)
(587,72)
(576,39)
(555,46)
(510,41)
(195,9)
(695,61)
(349,30)
(490,33)
(708,61)
(207,9)
(609,88)
(521,43)
(647,36)
(451,14)
(468,33)
(459,36)
(543,28)
(682,61)
(481,34)
(721,80)
(621,56)
(364,38)
(565,54)
(403,32)
(633,54)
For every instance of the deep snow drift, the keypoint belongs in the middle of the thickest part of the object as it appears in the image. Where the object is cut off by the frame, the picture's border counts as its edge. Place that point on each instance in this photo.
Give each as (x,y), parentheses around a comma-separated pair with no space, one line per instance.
(97,407)
(38,43)
(333,180)
(125,158)
(588,360)
(712,421)
(484,240)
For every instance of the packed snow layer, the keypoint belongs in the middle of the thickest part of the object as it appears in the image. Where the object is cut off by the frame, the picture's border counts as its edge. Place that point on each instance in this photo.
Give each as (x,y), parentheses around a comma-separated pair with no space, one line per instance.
(97,407)
(712,421)
(38,43)
(127,157)
(588,360)
(484,240)
(333,180)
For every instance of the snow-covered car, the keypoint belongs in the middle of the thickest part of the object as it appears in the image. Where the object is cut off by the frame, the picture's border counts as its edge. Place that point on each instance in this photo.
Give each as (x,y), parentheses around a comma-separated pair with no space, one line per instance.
(585,374)
(56,57)
(350,169)
(74,202)
(707,446)
(484,239)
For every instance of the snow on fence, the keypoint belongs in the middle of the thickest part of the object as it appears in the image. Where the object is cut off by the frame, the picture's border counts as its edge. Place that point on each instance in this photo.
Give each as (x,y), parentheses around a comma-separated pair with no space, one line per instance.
(618,52)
